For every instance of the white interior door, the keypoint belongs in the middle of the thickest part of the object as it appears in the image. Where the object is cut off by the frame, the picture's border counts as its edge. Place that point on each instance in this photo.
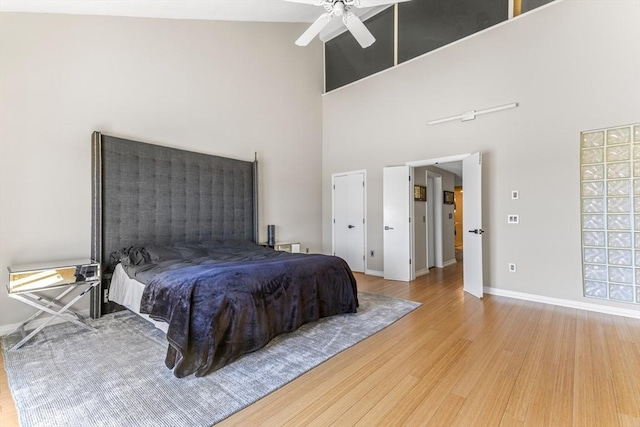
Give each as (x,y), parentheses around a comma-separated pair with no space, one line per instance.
(397,195)
(349,227)
(472,224)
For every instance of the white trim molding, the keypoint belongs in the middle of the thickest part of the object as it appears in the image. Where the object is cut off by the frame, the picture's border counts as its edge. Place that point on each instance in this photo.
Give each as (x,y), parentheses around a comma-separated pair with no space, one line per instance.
(437,161)
(448,263)
(422,272)
(376,273)
(634,314)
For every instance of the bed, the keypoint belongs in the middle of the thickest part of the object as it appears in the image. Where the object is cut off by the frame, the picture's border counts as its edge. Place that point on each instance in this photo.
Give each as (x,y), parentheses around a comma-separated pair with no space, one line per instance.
(176,233)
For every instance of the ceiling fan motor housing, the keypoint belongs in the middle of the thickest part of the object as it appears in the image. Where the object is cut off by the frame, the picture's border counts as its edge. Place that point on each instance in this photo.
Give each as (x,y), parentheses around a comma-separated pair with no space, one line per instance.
(336,7)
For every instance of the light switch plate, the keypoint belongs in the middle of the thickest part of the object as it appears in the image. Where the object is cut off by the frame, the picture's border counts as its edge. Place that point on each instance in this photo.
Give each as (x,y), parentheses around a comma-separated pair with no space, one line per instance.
(515,194)
(513,219)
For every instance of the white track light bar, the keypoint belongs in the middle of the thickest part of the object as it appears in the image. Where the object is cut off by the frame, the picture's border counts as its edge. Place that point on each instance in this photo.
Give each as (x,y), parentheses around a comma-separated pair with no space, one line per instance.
(470,115)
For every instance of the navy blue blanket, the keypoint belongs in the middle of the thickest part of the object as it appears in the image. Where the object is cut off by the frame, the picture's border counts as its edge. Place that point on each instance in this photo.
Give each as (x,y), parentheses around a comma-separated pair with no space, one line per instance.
(219,309)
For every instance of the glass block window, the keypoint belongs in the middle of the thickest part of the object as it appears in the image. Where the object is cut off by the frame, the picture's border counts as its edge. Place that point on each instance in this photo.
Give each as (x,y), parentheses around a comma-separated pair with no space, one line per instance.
(610,213)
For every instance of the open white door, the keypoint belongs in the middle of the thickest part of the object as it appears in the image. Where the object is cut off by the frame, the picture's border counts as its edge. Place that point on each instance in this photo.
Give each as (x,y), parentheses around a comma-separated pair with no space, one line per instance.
(397,196)
(472,224)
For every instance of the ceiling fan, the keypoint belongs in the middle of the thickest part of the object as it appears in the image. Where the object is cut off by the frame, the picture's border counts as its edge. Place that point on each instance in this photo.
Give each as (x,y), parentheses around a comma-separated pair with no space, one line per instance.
(351,21)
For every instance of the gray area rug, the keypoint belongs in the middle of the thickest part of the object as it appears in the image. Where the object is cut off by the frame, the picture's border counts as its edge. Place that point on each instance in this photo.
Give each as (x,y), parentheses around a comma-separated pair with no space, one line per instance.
(115,376)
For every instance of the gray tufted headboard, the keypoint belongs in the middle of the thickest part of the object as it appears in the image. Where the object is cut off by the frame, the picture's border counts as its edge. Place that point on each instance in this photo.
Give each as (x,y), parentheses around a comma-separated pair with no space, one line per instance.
(144,194)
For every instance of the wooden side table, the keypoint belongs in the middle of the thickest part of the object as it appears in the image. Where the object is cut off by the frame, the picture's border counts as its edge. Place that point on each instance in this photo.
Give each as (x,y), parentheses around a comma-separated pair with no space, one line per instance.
(27,282)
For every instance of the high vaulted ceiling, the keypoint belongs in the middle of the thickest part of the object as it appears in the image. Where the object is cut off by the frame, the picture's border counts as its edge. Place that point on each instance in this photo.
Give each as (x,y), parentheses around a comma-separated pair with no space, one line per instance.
(222,10)
(216,10)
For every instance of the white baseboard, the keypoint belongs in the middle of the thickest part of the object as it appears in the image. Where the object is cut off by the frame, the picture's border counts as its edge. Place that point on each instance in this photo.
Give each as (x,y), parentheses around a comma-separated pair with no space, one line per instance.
(422,272)
(635,314)
(448,263)
(7,329)
(374,273)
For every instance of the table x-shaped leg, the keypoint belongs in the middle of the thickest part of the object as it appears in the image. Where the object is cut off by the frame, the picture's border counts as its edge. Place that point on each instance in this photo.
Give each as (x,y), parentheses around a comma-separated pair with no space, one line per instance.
(36,301)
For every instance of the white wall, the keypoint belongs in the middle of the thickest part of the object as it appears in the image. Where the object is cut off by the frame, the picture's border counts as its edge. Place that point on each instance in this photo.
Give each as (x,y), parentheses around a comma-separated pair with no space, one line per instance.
(572,66)
(221,88)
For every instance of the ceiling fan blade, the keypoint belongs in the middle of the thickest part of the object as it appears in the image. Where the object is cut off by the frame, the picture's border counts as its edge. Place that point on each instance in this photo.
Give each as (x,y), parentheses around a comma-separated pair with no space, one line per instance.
(372,3)
(313,2)
(358,29)
(314,29)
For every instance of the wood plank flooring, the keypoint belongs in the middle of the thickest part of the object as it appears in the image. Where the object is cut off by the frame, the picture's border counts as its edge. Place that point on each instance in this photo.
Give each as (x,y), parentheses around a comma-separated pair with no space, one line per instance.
(8,412)
(460,361)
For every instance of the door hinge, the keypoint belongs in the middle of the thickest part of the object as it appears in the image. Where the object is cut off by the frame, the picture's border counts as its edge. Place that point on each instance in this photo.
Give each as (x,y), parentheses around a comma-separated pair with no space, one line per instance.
(363,183)
(409,219)
(334,220)
(409,178)
(363,257)
(334,187)
(363,220)
(409,261)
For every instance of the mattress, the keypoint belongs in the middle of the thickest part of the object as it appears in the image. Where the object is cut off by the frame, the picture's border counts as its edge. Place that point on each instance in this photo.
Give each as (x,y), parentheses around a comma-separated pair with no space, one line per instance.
(128,293)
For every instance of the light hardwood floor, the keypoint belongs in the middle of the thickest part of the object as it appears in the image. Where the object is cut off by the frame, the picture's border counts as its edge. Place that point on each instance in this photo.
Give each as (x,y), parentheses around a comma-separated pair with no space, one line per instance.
(457,360)
(8,413)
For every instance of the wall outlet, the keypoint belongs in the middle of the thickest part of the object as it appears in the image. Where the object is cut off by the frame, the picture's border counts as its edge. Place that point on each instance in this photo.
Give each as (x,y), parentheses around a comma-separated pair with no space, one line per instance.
(373,253)
(513,219)
(512,268)
(515,194)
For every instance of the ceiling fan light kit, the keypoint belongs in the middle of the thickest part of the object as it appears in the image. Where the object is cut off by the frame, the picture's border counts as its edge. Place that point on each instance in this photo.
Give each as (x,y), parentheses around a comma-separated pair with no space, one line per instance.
(341,8)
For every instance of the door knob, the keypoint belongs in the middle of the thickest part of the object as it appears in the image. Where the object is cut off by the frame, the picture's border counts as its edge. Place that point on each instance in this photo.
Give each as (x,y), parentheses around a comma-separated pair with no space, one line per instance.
(351,226)
(476,231)
(386,227)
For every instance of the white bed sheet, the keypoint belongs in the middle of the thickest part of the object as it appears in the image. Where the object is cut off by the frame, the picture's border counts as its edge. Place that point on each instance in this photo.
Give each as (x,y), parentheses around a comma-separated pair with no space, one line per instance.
(128,293)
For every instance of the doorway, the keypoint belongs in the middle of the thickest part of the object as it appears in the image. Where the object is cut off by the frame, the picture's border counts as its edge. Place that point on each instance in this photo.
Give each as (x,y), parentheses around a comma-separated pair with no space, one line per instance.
(398,240)
(428,226)
(435,217)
